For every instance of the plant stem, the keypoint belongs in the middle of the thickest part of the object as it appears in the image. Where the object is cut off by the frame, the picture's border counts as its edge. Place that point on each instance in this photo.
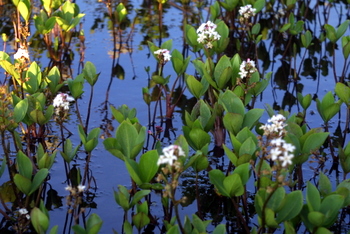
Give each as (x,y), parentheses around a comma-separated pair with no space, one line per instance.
(240,216)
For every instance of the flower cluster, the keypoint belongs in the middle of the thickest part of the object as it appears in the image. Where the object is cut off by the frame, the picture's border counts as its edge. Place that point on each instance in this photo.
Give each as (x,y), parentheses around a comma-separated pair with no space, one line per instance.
(21,53)
(163,55)
(207,34)
(74,190)
(276,127)
(247,68)
(24,211)
(247,11)
(61,102)
(170,154)
(282,151)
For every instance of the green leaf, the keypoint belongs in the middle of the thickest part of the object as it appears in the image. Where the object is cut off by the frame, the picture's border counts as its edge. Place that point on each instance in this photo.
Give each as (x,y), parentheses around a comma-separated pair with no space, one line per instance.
(191,35)
(342,29)
(54,230)
(252,117)
(194,86)
(313,199)
(330,206)
(270,218)
(276,199)
(324,185)
(38,179)
(140,220)
(285,27)
(322,230)
(232,156)
(316,218)
(34,78)
(291,206)
(78,229)
(306,39)
(127,227)
(343,92)
(20,110)
(39,220)
(259,5)
(304,101)
(314,141)
(93,224)
(49,25)
(330,32)
(90,74)
(167,44)
(247,147)
(148,165)
(159,79)
(25,165)
(222,71)
(201,163)
(24,10)
(76,86)
(82,134)
(233,185)
(216,177)
(122,12)
(220,229)
(199,138)
(198,224)
(243,171)
(231,102)
(138,196)
(122,197)
(126,135)
(233,122)
(134,170)
(22,183)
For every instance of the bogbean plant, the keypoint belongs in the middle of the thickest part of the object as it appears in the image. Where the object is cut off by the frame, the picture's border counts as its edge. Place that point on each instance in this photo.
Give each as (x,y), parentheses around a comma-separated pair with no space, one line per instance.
(29,103)
(269,156)
(266,157)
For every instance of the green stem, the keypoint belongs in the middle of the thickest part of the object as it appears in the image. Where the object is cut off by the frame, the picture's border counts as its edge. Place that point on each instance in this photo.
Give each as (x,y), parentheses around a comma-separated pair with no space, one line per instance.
(263,218)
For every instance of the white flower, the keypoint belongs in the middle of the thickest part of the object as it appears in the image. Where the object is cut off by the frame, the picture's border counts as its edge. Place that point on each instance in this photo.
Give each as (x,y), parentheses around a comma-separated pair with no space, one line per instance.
(277,125)
(68,188)
(170,154)
(277,142)
(247,11)
(275,152)
(21,53)
(28,216)
(247,67)
(81,188)
(286,159)
(288,147)
(282,151)
(207,34)
(163,55)
(277,118)
(61,101)
(23,211)
(208,26)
